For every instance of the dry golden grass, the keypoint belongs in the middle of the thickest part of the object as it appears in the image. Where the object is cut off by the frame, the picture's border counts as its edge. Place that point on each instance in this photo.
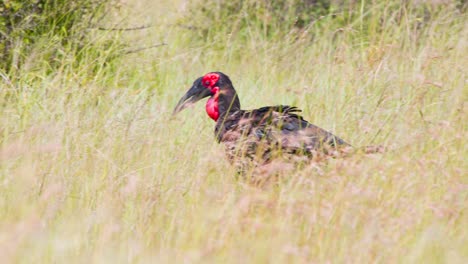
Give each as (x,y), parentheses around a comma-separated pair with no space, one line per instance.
(94,169)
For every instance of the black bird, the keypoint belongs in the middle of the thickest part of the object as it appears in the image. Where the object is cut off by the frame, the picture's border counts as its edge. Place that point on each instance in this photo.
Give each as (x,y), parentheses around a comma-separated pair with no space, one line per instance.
(255,137)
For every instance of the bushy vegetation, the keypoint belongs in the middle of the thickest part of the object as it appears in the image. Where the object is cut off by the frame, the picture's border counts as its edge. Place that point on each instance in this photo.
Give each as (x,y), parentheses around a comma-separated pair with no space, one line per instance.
(273,19)
(40,33)
(93,167)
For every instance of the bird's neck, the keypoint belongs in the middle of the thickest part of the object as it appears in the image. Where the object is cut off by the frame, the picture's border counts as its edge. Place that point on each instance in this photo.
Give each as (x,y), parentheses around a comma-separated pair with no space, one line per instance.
(223,102)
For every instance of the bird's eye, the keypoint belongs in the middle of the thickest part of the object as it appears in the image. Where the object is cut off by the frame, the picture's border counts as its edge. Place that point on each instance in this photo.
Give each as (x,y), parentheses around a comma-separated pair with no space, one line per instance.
(207,83)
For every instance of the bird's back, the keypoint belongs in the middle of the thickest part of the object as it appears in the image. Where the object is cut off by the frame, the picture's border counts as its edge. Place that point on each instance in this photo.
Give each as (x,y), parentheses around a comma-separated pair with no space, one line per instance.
(258,135)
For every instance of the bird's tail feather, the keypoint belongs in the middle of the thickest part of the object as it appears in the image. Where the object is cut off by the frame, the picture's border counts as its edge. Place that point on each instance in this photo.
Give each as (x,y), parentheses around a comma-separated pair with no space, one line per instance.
(348,150)
(374,149)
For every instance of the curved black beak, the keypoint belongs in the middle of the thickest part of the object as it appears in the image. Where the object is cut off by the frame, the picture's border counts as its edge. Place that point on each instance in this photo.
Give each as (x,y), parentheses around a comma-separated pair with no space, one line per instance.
(193,95)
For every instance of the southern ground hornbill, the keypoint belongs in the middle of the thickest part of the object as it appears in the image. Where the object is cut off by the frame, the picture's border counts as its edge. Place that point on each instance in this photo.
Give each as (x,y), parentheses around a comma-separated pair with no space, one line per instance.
(255,137)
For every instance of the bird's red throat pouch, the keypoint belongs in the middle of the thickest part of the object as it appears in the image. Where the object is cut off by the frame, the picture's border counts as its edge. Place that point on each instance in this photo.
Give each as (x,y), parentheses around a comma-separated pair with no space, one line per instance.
(212,104)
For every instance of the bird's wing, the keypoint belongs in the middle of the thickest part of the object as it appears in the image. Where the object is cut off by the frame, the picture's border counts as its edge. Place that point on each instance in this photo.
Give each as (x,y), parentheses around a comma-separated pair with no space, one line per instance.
(279,125)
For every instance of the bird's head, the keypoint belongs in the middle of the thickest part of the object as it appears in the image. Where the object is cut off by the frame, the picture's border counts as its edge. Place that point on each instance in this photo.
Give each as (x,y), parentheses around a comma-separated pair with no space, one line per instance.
(211,84)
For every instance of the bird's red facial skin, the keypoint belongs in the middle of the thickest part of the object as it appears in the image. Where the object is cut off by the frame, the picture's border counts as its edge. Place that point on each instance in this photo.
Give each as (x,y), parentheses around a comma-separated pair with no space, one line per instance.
(209,80)
(212,104)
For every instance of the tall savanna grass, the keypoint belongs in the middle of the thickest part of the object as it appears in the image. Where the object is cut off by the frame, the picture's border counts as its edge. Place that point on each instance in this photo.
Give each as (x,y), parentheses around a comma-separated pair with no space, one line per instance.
(93,167)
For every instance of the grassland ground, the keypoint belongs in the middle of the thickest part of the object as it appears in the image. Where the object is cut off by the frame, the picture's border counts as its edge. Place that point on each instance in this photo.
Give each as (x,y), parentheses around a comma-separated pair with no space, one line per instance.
(93,168)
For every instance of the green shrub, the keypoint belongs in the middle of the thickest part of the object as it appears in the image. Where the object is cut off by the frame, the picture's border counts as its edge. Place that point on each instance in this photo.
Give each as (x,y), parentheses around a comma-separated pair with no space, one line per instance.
(45,29)
(276,19)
